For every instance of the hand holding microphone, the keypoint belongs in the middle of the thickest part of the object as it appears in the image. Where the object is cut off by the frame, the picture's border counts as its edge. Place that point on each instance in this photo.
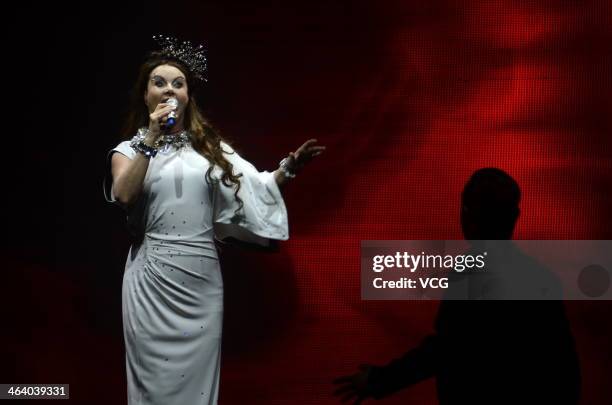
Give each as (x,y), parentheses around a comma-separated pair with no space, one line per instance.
(161,119)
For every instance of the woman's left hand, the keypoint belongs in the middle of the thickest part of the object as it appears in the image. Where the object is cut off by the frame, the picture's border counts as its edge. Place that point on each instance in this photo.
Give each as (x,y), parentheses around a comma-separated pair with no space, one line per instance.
(304,154)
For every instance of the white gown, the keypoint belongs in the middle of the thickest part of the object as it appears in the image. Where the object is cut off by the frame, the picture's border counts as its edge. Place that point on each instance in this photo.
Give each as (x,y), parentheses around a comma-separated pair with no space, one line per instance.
(172,287)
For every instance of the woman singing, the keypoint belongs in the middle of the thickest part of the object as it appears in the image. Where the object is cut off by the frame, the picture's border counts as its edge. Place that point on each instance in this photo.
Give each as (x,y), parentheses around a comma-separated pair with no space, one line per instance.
(182,186)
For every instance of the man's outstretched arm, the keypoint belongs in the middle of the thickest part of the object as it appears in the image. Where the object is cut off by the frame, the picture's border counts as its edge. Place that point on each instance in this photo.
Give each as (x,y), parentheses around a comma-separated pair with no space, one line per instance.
(378,382)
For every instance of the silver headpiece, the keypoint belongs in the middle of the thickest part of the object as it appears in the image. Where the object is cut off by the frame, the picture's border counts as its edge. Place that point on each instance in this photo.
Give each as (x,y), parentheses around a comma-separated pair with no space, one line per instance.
(193,57)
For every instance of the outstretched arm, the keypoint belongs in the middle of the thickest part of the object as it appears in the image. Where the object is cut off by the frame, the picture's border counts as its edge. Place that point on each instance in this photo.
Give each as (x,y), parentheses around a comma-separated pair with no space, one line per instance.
(378,382)
(296,161)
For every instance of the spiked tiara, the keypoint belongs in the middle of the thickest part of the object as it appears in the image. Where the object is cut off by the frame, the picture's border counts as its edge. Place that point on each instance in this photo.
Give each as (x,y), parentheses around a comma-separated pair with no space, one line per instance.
(193,57)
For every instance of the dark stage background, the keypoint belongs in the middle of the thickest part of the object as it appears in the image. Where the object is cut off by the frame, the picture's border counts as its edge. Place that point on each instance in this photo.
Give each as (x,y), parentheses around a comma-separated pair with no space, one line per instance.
(410,98)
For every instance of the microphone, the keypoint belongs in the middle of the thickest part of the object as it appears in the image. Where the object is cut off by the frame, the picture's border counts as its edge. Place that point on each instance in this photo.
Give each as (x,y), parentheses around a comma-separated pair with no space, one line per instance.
(172,115)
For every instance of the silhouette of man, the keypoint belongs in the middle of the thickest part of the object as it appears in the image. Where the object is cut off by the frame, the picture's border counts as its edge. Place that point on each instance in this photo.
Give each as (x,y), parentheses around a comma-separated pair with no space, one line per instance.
(485,351)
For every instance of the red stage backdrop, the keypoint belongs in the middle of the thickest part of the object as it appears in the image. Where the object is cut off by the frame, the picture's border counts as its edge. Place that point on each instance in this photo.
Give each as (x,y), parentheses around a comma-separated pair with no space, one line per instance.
(410,98)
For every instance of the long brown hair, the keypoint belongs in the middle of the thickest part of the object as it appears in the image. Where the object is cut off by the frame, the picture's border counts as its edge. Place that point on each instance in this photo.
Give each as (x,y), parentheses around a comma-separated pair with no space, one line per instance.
(205,138)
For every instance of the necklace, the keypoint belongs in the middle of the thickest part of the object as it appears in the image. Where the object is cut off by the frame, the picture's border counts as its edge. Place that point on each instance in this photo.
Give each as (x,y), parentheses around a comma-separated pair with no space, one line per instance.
(177,140)
(164,142)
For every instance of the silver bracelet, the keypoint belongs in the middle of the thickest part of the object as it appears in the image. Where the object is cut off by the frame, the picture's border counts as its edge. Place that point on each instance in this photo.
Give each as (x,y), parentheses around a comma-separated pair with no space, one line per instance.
(284,167)
(137,143)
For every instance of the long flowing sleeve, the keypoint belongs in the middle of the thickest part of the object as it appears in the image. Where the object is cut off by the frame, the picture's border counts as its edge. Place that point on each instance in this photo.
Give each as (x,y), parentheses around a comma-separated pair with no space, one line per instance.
(263,215)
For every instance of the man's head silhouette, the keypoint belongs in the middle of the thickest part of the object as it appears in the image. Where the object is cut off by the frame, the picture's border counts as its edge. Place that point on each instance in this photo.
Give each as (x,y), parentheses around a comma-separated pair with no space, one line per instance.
(489,205)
